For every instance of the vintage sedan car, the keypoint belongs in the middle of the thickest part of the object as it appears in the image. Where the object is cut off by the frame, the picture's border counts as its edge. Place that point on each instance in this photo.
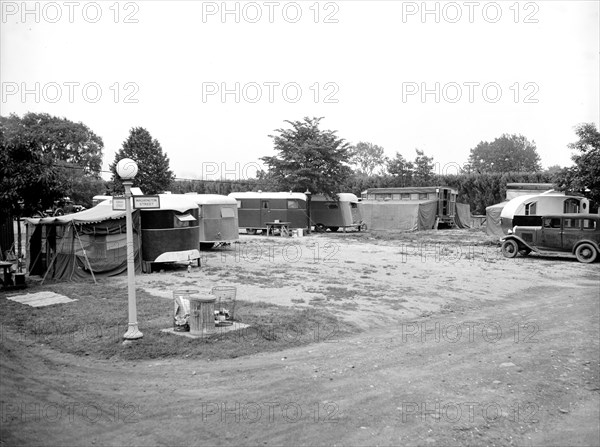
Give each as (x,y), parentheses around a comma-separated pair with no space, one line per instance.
(564,234)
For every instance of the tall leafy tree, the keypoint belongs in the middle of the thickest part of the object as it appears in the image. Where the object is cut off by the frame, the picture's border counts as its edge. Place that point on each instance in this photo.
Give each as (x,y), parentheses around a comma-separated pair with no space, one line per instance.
(309,158)
(40,158)
(154,175)
(508,153)
(584,176)
(367,157)
(401,169)
(423,169)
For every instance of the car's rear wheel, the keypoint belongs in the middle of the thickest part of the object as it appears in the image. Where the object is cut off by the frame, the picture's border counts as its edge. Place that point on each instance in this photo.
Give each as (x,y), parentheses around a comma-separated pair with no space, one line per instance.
(509,249)
(586,253)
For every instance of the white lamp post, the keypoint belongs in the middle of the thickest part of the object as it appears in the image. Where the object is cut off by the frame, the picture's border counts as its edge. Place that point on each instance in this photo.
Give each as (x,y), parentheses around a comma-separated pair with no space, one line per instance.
(127,169)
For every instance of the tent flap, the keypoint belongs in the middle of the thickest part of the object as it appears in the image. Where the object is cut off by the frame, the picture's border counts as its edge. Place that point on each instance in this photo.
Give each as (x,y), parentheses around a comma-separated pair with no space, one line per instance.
(462,218)
(493,225)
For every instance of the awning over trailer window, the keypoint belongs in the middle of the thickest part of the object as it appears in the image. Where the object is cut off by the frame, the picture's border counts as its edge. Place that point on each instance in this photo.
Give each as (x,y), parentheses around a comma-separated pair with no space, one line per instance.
(227,212)
(185,217)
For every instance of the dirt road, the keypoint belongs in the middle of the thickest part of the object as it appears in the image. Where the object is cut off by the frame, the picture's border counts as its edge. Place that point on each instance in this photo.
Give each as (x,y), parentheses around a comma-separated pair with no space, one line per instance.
(454,350)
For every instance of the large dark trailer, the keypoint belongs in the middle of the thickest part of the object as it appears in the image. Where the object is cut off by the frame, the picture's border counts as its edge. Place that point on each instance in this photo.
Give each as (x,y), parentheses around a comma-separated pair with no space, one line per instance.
(333,215)
(255,209)
(171,233)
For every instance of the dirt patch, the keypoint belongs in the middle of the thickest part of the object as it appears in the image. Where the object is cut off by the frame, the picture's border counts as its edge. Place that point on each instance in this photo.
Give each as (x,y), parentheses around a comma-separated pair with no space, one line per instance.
(456,346)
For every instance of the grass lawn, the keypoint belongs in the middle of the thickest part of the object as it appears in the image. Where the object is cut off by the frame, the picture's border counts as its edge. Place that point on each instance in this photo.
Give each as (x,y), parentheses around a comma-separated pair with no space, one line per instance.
(94,325)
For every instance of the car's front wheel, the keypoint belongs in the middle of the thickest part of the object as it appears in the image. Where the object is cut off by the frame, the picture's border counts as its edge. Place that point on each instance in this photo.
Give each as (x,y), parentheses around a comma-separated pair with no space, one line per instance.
(510,248)
(586,253)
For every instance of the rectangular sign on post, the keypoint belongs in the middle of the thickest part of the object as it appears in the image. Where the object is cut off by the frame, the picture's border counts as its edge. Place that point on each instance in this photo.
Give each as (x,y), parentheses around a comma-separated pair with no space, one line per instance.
(119,204)
(146,202)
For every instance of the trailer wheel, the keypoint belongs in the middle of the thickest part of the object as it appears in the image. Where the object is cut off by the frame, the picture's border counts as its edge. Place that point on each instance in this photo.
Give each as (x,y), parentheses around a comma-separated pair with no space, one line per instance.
(320,228)
(510,248)
(362,227)
(250,231)
(333,229)
(204,246)
(586,253)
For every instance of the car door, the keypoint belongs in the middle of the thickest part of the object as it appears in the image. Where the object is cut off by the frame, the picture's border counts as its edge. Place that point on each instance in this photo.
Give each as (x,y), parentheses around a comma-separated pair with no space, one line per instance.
(571,232)
(551,234)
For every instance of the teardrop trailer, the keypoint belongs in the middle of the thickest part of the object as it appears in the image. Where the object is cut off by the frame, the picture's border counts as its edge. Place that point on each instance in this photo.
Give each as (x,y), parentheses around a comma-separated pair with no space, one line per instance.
(559,234)
(218,217)
(335,214)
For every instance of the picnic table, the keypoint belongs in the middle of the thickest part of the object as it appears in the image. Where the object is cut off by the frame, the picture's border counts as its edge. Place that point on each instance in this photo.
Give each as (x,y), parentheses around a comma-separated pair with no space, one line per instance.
(283,227)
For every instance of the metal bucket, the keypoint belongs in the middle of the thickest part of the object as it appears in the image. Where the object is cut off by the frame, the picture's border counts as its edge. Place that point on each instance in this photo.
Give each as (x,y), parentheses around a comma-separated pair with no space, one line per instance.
(202,315)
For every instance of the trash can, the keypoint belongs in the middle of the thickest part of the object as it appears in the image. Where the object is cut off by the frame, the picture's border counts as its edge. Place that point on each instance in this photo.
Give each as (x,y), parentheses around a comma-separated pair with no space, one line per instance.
(181,309)
(202,315)
(225,304)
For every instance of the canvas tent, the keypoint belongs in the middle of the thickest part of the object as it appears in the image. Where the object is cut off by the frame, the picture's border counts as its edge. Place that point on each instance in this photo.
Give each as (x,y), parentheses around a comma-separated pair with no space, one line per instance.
(493,226)
(91,243)
(399,215)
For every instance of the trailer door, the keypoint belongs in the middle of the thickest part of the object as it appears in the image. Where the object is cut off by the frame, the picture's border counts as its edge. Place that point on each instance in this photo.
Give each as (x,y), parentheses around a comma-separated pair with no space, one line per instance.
(355,213)
(265,212)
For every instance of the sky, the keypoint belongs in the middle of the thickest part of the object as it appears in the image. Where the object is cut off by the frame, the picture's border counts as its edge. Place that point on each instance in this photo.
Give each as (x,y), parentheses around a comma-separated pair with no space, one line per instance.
(212,80)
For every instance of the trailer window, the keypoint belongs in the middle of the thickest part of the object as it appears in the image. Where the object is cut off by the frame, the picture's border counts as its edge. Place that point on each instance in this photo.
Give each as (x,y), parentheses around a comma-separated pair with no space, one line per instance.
(292,204)
(571,206)
(183,220)
(589,224)
(405,196)
(227,212)
(530,208)
(422,196)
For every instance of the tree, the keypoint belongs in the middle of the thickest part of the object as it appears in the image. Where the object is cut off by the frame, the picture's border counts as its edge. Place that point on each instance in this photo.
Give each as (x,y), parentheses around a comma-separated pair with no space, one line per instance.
(367,157)
(422,169)
(154,175)
(401,169)
(309,158)
(509,153)
(584,177)
(40,155)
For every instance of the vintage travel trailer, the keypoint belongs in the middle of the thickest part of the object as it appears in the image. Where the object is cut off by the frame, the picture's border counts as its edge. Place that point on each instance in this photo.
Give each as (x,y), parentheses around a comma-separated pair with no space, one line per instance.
(170,233)
(333,215)
(255,209)
(218,219)
(444,196)
(522,209)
